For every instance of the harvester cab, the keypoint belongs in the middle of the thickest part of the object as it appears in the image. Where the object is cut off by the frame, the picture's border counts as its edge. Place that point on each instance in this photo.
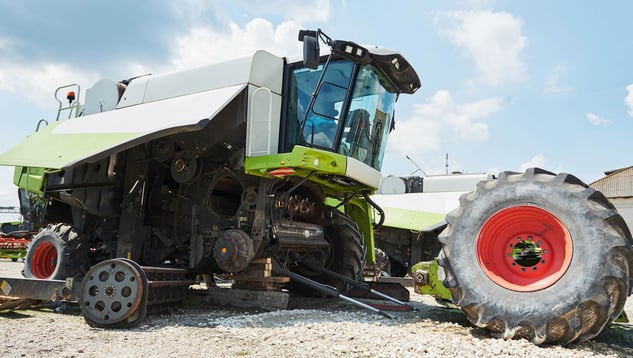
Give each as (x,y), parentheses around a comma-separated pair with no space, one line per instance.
(346,104)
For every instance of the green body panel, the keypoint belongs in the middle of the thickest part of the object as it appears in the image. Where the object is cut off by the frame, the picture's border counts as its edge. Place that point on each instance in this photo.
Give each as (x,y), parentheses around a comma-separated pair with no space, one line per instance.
(435,287)
(410,219)
(30,179)
(58,150)
(302,159)
(622,318)
(361,212)
(13,254)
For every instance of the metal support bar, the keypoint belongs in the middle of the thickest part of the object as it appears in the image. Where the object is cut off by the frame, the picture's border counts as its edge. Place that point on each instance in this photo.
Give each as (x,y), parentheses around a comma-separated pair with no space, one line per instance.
(47,290)
(362,285)
(330,291)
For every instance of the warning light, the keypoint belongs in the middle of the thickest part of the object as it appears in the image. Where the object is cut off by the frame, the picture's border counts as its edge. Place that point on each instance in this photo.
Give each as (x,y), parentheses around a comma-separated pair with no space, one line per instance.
(70,96)
(281,172)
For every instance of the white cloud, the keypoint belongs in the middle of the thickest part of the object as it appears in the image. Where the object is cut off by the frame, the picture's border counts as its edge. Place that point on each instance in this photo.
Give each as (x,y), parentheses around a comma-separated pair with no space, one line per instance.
(37,81)
(8,192)
(480,3)
(494,40)
(463,118)
(628,100)
(422,132)
(418,135)
(317,11)
(4,43)
(200,45)
(199,12)
(536,161)
(204,44)
(596,120)
(553,82)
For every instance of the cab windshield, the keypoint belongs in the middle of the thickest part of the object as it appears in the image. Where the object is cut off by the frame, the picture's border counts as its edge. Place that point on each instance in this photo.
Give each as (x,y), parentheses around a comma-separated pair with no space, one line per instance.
(349,116)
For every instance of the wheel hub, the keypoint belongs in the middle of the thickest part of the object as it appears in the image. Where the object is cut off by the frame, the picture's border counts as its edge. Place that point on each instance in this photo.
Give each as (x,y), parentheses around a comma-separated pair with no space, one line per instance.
(44,261)
(524,248)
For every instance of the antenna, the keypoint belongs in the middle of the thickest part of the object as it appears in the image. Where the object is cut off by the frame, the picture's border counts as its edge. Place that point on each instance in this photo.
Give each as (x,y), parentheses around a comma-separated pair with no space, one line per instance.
(417,166)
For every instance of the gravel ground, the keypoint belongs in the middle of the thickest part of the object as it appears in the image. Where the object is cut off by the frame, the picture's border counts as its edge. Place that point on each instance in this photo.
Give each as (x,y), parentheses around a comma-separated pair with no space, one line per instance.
(309,328)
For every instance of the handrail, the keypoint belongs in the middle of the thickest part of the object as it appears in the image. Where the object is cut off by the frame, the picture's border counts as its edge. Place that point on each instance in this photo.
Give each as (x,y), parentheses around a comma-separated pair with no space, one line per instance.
(73,104)
(39,123)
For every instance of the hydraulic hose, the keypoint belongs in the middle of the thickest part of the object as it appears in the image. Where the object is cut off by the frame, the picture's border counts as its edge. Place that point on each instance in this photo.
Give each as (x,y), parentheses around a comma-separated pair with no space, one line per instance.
(378,209)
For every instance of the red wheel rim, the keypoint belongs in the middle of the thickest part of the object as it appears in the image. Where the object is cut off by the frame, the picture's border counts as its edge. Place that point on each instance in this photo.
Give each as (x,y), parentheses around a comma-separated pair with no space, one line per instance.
(524,248)
(44,260)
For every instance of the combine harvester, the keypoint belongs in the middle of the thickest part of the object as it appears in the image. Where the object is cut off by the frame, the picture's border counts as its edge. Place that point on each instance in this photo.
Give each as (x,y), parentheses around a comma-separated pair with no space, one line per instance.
(415,209)
(262,168)
(13,240)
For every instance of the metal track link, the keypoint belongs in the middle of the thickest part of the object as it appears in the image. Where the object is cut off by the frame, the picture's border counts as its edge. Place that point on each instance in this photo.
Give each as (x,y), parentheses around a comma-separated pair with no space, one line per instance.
(166,288)
(118,293)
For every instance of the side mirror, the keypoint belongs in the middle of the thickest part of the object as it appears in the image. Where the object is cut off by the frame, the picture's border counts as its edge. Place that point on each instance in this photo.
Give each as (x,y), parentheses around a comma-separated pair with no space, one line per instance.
(311,52)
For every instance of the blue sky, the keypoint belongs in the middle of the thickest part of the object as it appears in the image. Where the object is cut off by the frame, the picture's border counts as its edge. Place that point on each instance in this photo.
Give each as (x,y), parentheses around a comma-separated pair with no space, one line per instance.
(506,84)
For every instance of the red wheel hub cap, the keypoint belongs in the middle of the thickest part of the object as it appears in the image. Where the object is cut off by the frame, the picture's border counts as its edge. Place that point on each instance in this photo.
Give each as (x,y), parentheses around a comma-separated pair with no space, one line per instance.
(44,261)
(524,248)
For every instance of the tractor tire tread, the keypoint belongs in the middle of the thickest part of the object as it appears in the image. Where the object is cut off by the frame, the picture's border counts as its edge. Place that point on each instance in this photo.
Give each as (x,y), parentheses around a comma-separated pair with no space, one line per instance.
(599,304)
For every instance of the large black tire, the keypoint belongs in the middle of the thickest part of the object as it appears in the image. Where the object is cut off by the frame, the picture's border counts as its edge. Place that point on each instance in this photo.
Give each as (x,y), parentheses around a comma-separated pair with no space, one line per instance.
(537,256)
(57,252)
(347,254)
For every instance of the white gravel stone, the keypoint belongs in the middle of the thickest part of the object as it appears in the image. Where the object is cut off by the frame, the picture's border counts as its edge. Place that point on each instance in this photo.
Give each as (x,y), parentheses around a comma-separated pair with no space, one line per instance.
(335,329)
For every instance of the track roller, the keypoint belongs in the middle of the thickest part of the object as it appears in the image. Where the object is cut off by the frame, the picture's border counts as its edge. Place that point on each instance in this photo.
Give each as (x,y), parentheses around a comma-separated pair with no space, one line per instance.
(113,294)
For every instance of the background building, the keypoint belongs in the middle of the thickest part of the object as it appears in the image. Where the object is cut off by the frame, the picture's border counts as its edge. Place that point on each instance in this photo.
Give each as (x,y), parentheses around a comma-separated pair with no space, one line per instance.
(617,185)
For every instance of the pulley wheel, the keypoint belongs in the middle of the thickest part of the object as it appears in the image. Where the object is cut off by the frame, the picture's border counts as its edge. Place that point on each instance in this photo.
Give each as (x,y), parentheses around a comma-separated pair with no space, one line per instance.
(184,169)
(113,294)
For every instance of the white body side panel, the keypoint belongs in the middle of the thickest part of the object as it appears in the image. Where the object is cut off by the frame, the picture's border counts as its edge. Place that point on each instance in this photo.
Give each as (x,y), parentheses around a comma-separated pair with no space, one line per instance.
(362,173)
(67,143)
(261,69)
(439,203)
(155,116)
(262,132)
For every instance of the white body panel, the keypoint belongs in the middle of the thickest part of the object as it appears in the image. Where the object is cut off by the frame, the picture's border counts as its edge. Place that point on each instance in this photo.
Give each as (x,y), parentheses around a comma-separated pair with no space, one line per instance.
(264,113)
(439,203)
(67,143)
(262,72)
(362,173)
(155,116)
(262,69)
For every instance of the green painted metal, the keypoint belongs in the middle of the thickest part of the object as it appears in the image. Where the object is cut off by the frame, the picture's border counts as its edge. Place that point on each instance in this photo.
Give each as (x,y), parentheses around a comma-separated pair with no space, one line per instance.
(527,253)
(13,248)
(13,254)
(303,160)
(30,179)
(361,212)
(434,287)
(46,149)
(410,219)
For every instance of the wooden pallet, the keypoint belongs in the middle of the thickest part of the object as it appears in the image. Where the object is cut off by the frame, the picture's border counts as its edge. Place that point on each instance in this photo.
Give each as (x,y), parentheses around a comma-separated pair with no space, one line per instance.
(268,300)
(255,287)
